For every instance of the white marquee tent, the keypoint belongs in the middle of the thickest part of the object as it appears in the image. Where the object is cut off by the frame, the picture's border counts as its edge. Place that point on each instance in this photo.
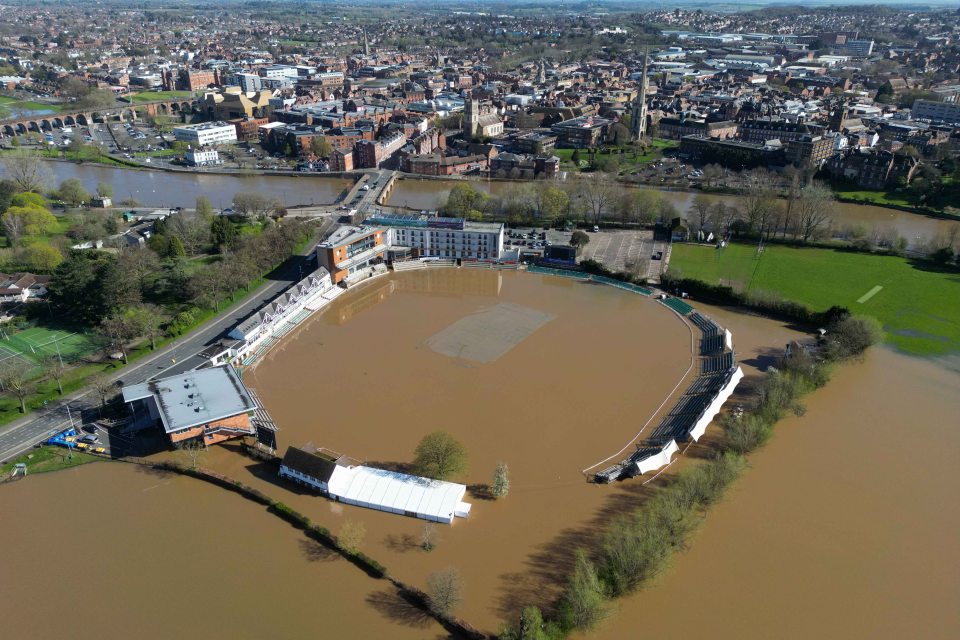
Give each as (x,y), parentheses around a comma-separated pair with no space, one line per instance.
(399,493)
(658,460)
(711,411)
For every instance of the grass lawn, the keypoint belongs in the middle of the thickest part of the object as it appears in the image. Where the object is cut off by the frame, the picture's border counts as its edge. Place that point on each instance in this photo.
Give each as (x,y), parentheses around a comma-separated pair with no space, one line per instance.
(153,96)
(48,459)
(874,197)
(918,305)
(626,161)
(11,107)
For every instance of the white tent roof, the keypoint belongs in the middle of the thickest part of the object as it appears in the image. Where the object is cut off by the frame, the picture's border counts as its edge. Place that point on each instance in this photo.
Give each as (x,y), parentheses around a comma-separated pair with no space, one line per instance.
(397,492)
(714,408)
(658,460)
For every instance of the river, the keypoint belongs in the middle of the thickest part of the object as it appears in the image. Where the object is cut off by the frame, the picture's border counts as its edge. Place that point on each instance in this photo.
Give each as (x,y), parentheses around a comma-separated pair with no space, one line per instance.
(164,189)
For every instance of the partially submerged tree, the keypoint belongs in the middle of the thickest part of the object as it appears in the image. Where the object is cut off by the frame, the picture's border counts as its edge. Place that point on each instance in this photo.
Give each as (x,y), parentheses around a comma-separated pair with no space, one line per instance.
(501,481)
(440,456)
(444,591)
(351,536)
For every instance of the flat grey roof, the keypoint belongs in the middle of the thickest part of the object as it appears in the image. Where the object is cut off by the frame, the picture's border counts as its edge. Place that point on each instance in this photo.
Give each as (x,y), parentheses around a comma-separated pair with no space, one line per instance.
(194,398)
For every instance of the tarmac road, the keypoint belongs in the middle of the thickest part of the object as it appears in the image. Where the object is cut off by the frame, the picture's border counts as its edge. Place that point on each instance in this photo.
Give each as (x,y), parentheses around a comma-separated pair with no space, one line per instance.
(19,436)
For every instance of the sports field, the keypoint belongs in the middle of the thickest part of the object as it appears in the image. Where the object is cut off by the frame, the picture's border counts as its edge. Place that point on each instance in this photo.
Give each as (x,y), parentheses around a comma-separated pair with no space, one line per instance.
(919,308)
(36,343)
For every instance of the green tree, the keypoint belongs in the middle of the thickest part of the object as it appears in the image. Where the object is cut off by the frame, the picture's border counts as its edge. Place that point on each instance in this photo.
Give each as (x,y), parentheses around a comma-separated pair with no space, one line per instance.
(583,603)
(104,190)
(41,258)
(500,486)
(320,147)
(71,191)
(175,248)
(204,207)
(223,233)
(440,456)
(579,239)
(464,198)
(552,202)
(29,199)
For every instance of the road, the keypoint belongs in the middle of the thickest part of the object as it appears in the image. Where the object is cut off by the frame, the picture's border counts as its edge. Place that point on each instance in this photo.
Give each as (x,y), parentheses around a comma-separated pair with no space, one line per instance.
(19,436)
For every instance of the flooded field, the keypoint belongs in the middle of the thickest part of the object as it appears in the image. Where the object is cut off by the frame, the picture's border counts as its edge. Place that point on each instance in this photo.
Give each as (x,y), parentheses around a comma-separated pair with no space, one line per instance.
(113,551)
(844,526)
(364,380)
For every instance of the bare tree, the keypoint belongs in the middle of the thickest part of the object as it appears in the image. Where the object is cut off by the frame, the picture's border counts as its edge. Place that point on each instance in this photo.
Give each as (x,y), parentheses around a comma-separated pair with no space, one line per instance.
(118,330)
(27,170)
(256,205)
(193,451)
(56,369)
(701,211)
(598,194)
(813,206)
(15,378)
(148,320)
(141,263)
(444,591)
(428,536)
(351,535)
(192,230)
(760,207)
(103,386)
(12,228)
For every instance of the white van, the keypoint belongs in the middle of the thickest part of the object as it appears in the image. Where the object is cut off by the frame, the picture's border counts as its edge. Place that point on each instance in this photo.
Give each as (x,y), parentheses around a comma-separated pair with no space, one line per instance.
(596,229)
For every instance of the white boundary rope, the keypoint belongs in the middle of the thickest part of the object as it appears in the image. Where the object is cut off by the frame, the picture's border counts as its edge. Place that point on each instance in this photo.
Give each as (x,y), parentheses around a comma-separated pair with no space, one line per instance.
(656,412)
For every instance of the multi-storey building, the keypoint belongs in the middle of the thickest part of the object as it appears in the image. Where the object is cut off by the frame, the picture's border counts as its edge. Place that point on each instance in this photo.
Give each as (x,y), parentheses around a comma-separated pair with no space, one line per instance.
(206,133)
(940,112)
(437,237)
(763,130)
(676,128)
(211,405)
(351,249)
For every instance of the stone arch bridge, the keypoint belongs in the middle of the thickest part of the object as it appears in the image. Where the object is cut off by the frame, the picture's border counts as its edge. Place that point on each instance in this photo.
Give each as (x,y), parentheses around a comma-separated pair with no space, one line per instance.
(40,124)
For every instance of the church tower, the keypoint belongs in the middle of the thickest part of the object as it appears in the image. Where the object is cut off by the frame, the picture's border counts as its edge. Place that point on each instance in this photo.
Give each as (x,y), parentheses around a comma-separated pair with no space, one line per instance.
(471,116)
(638,115)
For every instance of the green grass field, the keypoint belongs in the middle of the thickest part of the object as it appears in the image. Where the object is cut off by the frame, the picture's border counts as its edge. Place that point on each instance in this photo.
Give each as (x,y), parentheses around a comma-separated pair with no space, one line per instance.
(153,96)
(918,306)
(14,107)
(38,342)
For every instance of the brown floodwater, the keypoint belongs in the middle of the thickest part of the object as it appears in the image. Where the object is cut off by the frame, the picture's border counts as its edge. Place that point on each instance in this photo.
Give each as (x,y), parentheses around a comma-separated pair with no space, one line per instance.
(110,550)
(918,229)
(844,526)
(363,379)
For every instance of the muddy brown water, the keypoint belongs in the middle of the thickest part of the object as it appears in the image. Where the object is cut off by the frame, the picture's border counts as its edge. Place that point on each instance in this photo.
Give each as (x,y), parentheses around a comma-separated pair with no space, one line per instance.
(110,550)
(844,523)
(165,189)
(844,526)
(362,379)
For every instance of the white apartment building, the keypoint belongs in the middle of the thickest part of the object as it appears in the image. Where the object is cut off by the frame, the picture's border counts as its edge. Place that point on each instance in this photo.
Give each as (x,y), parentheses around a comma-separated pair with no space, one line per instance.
(206,134)
(202,157)
(435,237)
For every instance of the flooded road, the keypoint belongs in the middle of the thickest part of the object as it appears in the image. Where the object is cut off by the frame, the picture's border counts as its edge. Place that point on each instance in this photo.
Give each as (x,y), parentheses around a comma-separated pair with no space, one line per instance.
(844,526)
